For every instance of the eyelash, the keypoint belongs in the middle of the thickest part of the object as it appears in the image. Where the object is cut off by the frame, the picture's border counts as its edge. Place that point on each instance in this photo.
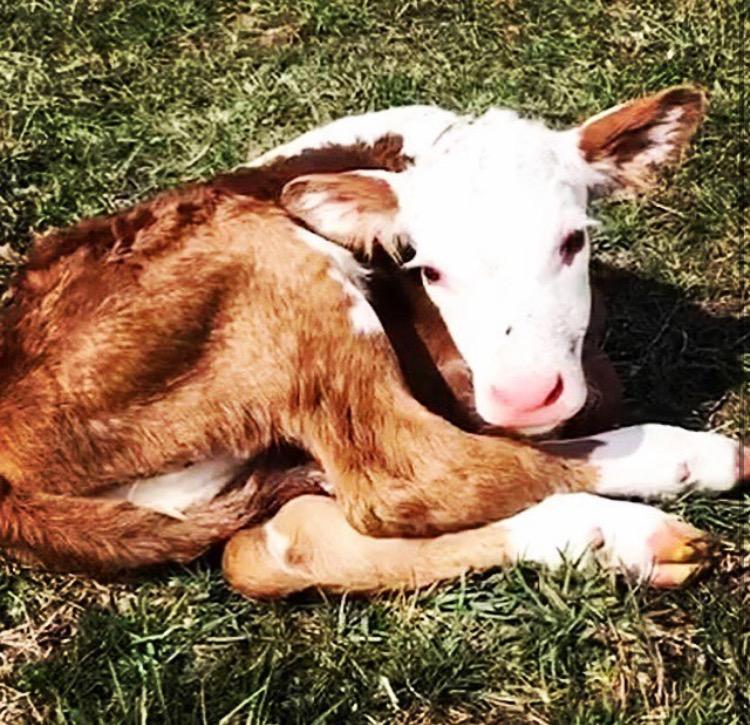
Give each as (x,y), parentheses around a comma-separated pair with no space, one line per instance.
(573,243)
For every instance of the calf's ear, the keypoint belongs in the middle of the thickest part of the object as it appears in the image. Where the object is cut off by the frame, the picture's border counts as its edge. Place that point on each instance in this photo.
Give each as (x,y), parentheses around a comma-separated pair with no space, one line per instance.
(627,145)
(357,209)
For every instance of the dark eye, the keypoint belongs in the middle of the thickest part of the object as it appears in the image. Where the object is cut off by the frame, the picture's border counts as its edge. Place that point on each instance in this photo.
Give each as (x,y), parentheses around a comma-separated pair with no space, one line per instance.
(573,244)
(430,275)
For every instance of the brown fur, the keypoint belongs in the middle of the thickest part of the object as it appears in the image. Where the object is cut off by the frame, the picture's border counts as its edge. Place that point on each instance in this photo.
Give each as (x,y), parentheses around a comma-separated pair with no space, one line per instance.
(344,560)
(366,195)
(171,332)
(197,324)
(615,140)
(365,200)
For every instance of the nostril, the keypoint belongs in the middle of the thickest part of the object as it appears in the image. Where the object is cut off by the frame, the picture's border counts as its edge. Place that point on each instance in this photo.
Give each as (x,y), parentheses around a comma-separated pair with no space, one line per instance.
(555,393)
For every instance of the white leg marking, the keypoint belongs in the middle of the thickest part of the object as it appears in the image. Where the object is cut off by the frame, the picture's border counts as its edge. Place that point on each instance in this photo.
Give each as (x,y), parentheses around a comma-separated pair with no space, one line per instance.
(581,526)
(277,545)
(173,493)
(655,461)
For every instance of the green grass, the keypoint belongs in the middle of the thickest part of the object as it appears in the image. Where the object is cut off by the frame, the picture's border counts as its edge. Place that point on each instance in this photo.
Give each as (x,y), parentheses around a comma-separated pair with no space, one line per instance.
(104,102)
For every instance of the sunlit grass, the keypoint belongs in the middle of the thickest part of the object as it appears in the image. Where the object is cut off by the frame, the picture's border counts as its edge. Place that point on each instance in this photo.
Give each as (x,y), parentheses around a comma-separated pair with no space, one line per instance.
(104,102)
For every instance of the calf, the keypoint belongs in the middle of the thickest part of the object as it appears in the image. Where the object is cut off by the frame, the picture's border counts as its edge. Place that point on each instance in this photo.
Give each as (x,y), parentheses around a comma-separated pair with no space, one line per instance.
(154,360)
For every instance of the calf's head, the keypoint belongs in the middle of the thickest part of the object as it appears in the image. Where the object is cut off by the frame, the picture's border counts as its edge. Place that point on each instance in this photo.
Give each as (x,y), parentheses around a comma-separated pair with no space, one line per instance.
(496,214)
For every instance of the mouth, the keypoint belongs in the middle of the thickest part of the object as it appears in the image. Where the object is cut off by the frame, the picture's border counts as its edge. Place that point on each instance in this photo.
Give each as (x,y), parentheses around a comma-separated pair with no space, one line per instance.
(538,422)
(534,431)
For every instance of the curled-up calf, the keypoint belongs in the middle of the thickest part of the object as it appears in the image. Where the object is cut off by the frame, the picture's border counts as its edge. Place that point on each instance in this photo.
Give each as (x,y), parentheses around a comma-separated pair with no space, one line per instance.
(149,359)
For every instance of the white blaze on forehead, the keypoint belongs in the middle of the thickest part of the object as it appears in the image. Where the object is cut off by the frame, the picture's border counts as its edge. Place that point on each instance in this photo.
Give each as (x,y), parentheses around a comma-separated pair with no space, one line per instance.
(349,274)
(496,181)
(489,209)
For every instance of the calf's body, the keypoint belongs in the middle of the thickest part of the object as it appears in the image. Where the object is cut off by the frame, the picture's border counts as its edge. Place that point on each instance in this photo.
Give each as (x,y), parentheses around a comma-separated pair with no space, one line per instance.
(174,333)
(174,344)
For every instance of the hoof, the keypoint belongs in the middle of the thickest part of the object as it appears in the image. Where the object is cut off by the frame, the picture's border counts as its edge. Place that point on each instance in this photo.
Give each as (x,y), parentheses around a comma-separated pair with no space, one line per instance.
(680,552)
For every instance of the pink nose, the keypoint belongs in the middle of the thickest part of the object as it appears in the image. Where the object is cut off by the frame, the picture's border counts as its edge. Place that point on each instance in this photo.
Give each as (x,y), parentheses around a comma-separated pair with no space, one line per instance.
(527,394)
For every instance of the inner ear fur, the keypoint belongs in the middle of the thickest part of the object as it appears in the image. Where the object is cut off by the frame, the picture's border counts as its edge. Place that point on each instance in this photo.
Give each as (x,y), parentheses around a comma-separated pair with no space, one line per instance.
(628,144)
(356,209)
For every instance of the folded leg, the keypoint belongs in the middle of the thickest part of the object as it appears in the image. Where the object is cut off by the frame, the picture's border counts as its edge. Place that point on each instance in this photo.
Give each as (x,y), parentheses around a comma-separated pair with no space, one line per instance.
(309,544)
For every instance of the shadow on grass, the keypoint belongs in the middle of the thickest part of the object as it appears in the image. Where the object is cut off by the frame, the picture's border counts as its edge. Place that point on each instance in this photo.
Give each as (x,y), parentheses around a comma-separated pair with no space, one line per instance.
(677,360)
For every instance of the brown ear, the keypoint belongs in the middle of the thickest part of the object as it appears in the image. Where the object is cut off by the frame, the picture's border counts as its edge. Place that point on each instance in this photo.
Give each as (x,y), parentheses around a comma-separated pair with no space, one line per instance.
(629,143)
(355,209)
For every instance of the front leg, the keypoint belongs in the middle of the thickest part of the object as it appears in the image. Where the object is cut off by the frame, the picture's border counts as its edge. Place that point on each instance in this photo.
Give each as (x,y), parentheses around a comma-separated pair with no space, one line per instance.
(654,461)
(310,544)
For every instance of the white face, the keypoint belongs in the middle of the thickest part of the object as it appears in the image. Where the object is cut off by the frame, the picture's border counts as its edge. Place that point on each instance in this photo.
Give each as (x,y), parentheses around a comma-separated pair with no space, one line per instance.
(496,211)
(505,256)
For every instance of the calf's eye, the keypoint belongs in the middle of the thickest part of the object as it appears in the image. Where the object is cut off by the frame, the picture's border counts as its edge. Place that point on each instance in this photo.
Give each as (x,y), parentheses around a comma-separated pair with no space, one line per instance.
(572,244)
(430,275)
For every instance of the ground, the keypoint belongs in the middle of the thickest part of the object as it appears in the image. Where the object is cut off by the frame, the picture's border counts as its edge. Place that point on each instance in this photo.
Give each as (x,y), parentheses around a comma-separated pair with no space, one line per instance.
(103,102)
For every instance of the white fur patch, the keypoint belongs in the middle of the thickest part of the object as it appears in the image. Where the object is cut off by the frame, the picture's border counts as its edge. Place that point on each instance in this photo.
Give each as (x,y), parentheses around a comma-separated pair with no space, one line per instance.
(348,273)
(580,527)
(363,317)
(661,137)
(342,258)
(173,493)
(419,126)
(277,545)
(658,461)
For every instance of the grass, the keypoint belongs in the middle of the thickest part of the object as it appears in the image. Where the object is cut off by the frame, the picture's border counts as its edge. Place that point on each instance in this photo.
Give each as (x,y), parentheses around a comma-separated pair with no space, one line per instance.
(105,101)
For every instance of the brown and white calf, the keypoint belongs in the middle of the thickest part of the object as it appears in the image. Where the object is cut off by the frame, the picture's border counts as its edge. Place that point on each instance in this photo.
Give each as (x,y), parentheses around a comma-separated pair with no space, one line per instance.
(157,363)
